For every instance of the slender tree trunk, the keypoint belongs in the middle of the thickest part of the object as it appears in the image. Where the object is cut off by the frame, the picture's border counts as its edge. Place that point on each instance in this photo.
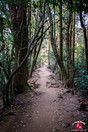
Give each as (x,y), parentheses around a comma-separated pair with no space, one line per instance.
(86,39)
(60,40)
(77,41)
(35,59)
(29,20)
(53,44)
(60,63)
(36,54)
(1,32)
(87,43)
(2,80)
(72,51)
(67,46)
(69,52)
(48,54)
(83,52)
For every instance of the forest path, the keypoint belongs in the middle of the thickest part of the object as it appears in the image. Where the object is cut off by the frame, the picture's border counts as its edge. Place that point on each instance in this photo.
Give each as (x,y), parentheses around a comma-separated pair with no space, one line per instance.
(53,109)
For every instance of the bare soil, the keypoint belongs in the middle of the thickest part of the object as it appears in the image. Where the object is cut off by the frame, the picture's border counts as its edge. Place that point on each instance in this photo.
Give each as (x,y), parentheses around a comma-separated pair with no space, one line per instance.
(52,108)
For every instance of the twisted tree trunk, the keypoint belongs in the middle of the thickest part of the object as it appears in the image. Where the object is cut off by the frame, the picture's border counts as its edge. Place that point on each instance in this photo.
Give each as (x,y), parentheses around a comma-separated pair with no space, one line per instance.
(53,44)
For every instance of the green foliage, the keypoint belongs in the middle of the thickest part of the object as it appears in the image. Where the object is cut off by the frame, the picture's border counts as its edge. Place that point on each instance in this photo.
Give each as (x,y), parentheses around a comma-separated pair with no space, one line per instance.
(55,2)
(81,77)
(6,60)
(81,83)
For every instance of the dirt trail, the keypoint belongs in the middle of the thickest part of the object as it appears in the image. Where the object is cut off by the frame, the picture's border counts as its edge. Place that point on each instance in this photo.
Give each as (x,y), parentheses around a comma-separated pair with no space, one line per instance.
(44,117)
(53,109)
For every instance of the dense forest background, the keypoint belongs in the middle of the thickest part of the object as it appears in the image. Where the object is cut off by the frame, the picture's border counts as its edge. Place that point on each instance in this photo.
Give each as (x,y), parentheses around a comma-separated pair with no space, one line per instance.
(34,32)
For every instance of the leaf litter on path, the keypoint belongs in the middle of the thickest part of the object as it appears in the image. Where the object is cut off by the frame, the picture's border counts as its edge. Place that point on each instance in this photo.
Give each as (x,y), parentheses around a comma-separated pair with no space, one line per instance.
(52,108)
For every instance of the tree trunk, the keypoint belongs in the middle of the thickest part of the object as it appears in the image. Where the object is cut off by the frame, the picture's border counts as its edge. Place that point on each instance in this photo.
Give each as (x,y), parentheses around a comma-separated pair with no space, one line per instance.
(48,54)
(69,52)
(1,32)
(53,44)
(18,18)
(71,76)
(86,39)
(67,45)
(60,40)
(35,58)
(36,54)
(73,38)
(60,63)
(77,41)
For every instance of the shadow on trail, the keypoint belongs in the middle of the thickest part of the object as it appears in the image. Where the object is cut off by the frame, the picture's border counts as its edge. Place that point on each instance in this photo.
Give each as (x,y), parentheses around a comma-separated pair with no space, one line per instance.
(53,109)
